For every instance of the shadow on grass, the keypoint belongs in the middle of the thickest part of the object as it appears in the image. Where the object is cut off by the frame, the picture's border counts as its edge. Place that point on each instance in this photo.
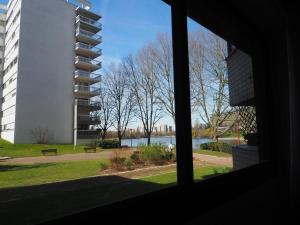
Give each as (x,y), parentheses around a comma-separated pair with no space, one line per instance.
(58,199)
(6,168)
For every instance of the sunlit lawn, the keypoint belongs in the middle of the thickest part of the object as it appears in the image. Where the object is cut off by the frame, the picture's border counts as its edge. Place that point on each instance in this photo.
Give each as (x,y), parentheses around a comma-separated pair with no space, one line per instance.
(28,150)
(213,153)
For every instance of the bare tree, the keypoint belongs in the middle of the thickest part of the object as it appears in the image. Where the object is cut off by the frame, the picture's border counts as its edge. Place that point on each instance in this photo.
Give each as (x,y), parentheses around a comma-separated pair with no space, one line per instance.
(121,96)
(161,55)
(144,83)
(41,135)
(209,79)
(105,115)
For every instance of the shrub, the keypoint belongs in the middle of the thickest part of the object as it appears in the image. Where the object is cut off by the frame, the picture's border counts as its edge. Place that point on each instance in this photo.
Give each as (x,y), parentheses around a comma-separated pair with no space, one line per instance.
(41,135)
(136,157)
(103,166)
(169,156)
(128,163)
(117,163)
(106,144)
(217,146)
(155,153)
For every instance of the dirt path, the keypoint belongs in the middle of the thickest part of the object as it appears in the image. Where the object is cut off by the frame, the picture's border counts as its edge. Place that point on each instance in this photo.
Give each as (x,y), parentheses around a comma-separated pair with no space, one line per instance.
(215,160)
(66,157)
(201,158)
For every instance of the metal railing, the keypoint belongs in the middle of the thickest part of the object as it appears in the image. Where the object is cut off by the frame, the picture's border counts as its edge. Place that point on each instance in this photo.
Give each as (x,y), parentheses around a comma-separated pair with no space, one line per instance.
(87,133)
(87,60)
(83,88)
(88,47)
(88,119)
(88,34)
(82,73)
(89,21)
(80,4)
(88,103)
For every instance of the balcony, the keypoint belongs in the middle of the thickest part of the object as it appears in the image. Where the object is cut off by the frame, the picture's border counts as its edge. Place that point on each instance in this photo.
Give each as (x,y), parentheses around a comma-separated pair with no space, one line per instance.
(86,91)
(87,13)
(87,50)
(88,105)
(87,63)
(88,24)
(86,77)
(87,134)
(88,37)
(87,120)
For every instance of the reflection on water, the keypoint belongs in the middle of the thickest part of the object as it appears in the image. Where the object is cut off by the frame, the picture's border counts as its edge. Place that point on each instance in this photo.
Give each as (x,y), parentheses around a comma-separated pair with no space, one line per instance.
(164,140)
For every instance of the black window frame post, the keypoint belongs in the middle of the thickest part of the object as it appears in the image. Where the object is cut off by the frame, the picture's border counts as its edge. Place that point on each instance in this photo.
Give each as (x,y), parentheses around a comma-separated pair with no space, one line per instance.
(184,145)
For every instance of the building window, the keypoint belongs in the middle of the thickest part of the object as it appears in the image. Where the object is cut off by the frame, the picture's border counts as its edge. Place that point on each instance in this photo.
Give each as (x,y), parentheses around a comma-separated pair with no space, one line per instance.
(16,44)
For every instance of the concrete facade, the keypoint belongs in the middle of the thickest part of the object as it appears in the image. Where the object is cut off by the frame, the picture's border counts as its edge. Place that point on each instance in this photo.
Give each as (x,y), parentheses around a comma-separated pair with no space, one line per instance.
(240,78)
(39,92)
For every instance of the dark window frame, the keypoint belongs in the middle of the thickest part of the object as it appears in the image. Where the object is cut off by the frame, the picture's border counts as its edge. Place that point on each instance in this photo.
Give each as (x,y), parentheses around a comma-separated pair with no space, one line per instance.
(176,202)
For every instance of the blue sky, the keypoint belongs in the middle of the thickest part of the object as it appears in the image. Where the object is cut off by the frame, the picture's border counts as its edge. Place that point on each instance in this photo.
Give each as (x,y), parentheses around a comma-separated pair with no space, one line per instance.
(130,24)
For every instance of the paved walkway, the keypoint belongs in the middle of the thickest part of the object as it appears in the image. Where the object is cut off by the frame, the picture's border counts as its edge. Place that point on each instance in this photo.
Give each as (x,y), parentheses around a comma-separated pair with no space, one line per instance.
(67,157)
(215,160)
(207,159)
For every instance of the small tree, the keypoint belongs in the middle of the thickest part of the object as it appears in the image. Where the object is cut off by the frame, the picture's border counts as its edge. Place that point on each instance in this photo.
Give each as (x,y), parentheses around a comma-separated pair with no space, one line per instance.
(160,53)
(144,83)
(121,96)
(105,115)
(209,80)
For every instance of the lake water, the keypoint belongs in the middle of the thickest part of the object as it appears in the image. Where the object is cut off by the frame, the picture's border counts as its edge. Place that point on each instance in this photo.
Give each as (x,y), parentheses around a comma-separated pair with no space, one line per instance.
(164,140)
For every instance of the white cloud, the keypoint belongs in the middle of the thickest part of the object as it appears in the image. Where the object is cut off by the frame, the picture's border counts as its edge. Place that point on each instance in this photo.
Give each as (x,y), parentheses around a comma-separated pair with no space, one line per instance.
(107,60)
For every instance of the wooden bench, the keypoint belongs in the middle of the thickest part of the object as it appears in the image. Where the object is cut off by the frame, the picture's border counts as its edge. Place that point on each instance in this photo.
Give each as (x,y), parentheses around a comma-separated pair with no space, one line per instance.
(47,151)
(90,149)
(4,158)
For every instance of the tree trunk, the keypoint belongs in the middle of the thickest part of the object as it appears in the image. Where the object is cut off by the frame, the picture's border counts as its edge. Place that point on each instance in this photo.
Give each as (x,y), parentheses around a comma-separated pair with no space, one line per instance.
(120,138)
(103,134)
(148,139)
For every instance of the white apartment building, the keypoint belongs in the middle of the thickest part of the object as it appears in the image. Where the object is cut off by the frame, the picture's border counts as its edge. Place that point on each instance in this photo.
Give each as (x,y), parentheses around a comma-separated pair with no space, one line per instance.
(49,76)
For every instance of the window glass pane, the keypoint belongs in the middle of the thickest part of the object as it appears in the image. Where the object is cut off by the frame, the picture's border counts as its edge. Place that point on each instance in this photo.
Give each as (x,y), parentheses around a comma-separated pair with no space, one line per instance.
(222,101)
(87,112)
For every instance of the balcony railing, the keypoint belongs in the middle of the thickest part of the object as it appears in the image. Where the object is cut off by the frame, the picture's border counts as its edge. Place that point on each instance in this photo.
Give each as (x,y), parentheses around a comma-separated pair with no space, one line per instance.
(88,103)
(88,34)
(98,51)
(87,60)
(86,74)
(89,21)
(87,119)
(87,133)
(82,88)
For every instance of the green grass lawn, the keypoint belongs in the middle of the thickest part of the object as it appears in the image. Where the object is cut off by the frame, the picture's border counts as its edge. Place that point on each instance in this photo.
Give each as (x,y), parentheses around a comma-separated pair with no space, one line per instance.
(31,174)
(199,174)
(28,150)
(213,153)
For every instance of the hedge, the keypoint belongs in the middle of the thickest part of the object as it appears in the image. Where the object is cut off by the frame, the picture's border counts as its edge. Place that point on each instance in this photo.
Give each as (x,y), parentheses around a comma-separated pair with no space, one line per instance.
(109,144)
(217,146)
